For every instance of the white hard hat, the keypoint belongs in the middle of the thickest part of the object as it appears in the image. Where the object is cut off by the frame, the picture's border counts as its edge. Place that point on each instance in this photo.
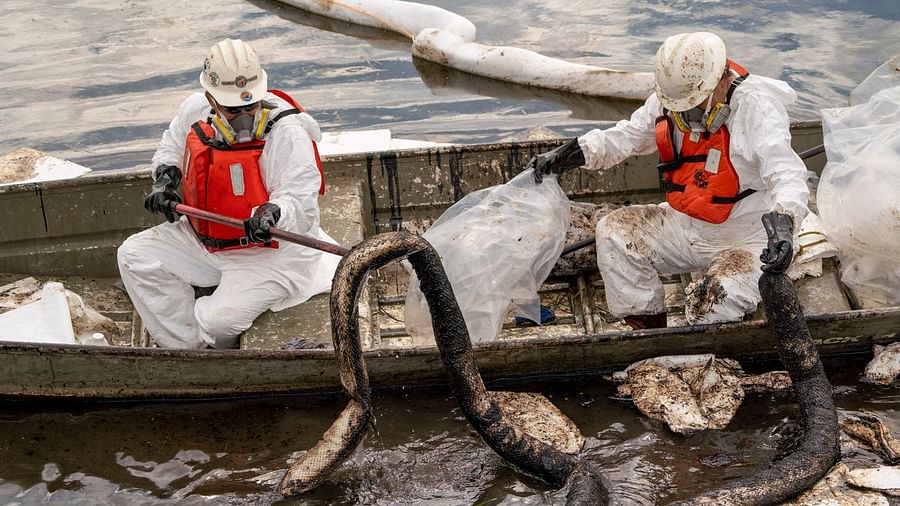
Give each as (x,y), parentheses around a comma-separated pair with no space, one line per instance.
(688,68)
(232,74)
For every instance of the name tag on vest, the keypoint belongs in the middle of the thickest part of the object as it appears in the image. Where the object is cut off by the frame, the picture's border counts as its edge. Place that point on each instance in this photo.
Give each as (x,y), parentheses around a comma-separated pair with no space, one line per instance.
(712,161)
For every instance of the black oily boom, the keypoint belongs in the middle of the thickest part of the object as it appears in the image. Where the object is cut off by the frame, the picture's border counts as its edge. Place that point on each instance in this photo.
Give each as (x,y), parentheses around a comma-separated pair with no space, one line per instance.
(817,450)
(523,451)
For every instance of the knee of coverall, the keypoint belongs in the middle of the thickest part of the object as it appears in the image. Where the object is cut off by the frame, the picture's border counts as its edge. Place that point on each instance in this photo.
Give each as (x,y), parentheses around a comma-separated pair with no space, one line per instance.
(609,238)
(620,237)
(726,292)
(221,326)
(129,254)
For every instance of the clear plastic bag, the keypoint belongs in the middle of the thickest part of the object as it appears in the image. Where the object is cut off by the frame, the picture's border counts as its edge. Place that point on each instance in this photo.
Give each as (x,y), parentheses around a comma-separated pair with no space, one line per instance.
(859,194)
(497,246)
(885,76)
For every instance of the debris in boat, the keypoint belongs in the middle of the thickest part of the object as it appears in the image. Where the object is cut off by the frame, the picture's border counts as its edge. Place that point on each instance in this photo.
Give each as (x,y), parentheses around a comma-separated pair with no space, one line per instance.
(884,368)
(813,247)
(883,479)
(45,320)
(446,38)
(869,429)
(691,393)
(523,428)
(302,343)
(26,165)
(583,218)
(49,313)
(497,245)
(19,293)
(832,490)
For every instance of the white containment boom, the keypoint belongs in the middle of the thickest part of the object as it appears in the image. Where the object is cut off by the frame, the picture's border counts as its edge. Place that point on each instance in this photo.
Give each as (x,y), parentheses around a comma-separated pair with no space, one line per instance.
(448,39)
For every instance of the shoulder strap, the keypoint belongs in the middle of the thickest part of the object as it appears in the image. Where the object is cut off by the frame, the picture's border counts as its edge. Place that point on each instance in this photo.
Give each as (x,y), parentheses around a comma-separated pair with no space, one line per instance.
(277,117)
(297,109)
(287,98)
(742,74)
(201,134)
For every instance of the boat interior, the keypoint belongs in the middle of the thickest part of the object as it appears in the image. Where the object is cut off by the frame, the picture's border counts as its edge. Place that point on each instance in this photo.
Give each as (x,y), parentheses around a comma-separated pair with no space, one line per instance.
(69,236)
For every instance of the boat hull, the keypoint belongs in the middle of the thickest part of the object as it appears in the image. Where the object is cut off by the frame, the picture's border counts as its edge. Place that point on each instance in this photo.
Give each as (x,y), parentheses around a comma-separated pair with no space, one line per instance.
(84,372)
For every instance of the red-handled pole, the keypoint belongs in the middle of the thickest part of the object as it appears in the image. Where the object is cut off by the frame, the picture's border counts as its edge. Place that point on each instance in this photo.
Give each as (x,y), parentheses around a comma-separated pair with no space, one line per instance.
(302,240)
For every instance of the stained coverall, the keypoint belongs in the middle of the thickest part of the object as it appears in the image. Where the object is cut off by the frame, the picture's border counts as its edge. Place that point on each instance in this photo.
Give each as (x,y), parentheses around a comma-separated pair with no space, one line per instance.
(638,243)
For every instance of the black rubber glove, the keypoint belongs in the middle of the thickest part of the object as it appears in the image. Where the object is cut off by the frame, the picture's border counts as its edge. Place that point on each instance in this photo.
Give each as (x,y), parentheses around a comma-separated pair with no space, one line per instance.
(166,179)
(556,161)
(777,256)
(265,217)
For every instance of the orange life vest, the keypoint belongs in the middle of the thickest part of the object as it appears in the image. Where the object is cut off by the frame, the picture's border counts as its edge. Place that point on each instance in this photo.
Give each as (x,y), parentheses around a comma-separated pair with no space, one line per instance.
(700,181)
(225,179)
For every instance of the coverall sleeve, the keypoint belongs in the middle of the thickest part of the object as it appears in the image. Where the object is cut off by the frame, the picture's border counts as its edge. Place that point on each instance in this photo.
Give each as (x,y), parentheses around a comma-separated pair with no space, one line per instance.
(171,147)
(767,129)
(291,176)
(635,136)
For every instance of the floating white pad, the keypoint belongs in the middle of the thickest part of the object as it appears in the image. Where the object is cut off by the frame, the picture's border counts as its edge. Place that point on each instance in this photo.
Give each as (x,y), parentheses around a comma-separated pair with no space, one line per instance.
(26,165)
(366,141)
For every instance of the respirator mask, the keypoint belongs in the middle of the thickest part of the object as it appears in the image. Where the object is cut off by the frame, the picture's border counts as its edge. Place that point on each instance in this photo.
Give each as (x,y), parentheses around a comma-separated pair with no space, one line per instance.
(698,120)
(246,126)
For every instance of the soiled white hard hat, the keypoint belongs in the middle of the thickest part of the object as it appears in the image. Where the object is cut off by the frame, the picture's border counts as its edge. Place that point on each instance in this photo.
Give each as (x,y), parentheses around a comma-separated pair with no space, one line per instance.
(232,74)
(688,68)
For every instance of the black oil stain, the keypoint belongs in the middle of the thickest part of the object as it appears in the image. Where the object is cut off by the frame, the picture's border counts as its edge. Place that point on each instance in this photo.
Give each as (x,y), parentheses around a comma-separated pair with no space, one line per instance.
(456,173)
(513,166)
(40,195)
(392,174)
(373,198)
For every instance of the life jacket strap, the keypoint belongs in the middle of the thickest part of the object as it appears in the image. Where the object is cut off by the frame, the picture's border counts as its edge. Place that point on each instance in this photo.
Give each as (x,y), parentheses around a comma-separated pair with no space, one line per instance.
(668,186)
(733,200)
(211,242)
(678,162)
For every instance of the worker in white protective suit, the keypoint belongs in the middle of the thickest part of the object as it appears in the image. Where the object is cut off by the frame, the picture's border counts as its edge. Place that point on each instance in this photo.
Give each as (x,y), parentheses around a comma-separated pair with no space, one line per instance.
(726,163)
(242,151)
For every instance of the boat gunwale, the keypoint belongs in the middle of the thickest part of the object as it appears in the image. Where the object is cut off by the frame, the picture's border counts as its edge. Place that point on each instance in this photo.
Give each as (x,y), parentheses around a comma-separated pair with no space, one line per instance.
(620,336)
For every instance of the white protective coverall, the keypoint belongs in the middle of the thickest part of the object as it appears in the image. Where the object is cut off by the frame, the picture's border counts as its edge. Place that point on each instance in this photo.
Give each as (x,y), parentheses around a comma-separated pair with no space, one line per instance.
(160,266)
(638,243)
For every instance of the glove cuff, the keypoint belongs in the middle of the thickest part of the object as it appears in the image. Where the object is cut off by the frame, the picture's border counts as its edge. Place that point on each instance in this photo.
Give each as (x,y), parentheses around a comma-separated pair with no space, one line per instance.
(173,172)
(570,155)
(273,209)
